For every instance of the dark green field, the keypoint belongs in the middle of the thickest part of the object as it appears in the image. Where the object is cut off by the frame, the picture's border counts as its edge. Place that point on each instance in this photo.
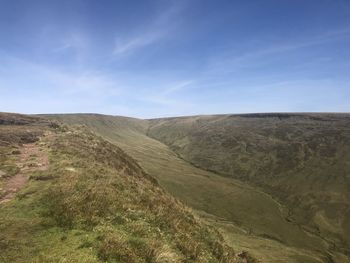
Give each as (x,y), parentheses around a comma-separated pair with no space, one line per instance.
(276,185)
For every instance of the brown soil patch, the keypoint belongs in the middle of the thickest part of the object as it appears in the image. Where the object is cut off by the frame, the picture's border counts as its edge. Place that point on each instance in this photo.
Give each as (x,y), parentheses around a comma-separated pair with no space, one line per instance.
(31,158)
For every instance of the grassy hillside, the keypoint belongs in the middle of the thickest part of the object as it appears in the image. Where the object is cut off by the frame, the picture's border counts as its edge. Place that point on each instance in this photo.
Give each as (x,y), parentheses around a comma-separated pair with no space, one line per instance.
(93,203)
(249,218)
(301,159)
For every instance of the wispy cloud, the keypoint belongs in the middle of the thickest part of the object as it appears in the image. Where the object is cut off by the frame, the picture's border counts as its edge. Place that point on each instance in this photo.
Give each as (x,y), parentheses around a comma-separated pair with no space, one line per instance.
(72,41)
(159,29)
(229,63)
(37,78)
(176,87)
(86,91)
(167,96)
(126,46)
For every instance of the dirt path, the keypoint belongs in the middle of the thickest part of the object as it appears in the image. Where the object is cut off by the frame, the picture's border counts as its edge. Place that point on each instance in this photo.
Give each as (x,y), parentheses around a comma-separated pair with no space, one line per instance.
(31,158)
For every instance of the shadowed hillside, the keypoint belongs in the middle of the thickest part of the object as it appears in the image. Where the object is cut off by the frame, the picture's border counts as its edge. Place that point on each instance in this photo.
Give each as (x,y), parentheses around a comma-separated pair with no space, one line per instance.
(249,218)
(302,159)
(91,203)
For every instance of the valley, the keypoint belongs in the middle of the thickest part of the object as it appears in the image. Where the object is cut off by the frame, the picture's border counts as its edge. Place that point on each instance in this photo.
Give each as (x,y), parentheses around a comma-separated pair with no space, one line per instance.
(243,209)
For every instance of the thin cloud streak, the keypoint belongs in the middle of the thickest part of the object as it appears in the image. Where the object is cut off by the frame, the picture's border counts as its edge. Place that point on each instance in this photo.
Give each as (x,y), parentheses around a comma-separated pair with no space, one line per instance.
(123,47)
(161,27)
(167,96)
(228,65)
(72,41)
(34,77)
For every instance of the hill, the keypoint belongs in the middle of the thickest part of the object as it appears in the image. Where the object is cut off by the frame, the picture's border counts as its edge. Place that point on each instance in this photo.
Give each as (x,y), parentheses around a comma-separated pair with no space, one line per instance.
(300,159)
(83,199)
(250,218)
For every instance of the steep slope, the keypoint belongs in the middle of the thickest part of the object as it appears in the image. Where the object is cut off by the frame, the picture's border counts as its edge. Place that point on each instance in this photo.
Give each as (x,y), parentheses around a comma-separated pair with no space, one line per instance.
(93,203)
(301,159)
(243,213)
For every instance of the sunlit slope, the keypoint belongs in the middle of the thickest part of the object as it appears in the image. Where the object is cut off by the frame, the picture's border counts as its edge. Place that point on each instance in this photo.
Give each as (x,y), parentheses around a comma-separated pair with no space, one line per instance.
(92,203)
(302,159)
(226,198)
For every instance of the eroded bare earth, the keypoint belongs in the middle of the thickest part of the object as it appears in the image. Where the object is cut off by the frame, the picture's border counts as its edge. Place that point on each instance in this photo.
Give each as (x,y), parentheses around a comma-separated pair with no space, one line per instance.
(31,158)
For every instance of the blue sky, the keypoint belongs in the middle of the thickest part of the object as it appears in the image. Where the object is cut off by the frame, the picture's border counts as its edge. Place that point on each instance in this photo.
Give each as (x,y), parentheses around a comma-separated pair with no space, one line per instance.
(167,58)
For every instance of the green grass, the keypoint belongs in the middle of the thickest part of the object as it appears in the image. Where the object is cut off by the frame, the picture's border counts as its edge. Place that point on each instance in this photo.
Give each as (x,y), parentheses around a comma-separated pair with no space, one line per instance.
(229,200)
(300,159)
(96,204)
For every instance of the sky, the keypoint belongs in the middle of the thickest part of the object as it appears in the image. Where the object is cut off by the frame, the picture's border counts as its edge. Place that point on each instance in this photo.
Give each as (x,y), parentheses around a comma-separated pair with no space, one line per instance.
(155,58)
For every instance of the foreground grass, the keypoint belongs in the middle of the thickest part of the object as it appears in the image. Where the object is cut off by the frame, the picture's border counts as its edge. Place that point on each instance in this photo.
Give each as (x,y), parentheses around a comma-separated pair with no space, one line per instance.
(96,204)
